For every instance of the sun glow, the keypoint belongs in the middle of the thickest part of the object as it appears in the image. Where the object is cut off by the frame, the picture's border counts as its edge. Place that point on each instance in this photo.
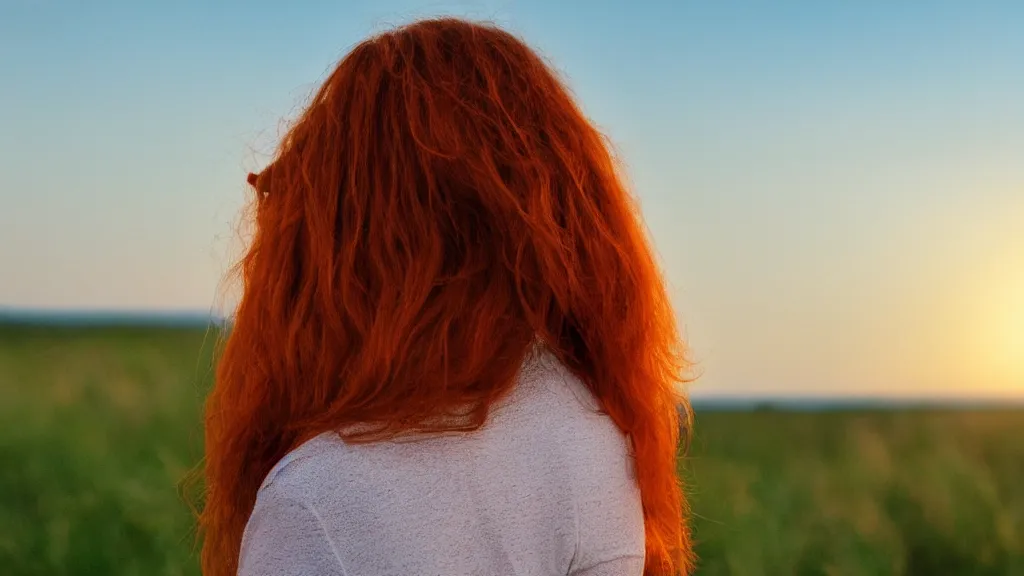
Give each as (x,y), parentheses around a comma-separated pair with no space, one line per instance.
(999,356)
(1013,342)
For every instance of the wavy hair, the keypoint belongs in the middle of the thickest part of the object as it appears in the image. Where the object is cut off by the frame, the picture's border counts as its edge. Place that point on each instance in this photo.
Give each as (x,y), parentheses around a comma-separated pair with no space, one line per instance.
(440,206)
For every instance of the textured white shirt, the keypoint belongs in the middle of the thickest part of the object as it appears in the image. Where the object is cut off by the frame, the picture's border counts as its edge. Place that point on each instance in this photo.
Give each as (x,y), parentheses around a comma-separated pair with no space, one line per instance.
(547,487)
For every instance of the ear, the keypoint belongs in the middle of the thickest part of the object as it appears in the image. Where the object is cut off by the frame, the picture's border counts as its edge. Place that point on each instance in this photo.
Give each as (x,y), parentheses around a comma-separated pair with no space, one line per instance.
(252,178)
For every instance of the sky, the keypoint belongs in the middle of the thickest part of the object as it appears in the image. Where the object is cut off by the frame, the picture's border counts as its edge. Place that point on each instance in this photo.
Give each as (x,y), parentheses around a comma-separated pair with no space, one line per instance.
(835,189)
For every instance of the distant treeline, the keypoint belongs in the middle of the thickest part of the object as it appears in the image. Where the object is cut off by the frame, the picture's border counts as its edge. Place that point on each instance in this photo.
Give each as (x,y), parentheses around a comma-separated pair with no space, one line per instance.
(107,318)
(819,404)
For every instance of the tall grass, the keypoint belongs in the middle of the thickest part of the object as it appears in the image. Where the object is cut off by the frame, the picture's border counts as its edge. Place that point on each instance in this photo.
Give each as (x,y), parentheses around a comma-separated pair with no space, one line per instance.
(98,426)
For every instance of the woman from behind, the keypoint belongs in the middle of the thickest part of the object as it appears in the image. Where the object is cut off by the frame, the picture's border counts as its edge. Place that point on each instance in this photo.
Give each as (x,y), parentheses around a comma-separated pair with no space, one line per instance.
(454,352)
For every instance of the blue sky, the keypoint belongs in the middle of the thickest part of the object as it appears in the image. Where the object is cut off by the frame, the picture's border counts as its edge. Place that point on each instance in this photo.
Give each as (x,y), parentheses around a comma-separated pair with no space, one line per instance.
(836,188)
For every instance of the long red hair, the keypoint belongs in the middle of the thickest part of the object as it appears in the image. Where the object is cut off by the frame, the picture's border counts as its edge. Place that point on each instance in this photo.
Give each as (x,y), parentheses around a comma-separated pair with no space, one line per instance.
(440,206)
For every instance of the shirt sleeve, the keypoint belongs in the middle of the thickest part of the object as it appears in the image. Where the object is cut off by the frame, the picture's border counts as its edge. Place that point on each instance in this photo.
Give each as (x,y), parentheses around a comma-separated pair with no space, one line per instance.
(615,567)
(285,537)
(610,522)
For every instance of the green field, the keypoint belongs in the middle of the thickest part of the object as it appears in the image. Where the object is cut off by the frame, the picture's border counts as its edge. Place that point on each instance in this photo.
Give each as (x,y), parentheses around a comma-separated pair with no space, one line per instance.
(98,426)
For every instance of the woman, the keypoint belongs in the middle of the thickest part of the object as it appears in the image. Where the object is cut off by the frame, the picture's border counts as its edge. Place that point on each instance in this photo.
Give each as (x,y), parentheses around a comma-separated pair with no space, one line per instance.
(454,353)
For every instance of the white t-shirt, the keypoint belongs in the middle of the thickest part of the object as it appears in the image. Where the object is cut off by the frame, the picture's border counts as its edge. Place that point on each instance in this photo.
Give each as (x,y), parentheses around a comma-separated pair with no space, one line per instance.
(547,487)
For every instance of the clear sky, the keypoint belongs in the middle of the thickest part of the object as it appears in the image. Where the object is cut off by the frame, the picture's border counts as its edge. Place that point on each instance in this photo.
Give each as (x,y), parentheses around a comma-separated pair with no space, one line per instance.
(836,188)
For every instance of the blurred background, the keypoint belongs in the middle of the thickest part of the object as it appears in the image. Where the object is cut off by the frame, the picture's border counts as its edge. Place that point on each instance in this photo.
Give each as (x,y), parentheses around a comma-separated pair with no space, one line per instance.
(836,191)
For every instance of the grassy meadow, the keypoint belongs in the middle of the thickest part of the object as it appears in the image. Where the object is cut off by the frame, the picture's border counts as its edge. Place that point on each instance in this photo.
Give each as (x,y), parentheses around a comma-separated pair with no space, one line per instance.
(99,425)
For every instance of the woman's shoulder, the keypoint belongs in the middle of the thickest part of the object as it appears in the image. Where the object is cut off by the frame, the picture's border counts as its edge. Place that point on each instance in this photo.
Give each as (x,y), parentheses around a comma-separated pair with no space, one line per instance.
(561,396)
(302,469)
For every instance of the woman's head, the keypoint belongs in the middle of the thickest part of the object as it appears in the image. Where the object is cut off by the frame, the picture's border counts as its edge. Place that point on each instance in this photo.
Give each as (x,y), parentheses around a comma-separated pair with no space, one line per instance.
(440,207)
